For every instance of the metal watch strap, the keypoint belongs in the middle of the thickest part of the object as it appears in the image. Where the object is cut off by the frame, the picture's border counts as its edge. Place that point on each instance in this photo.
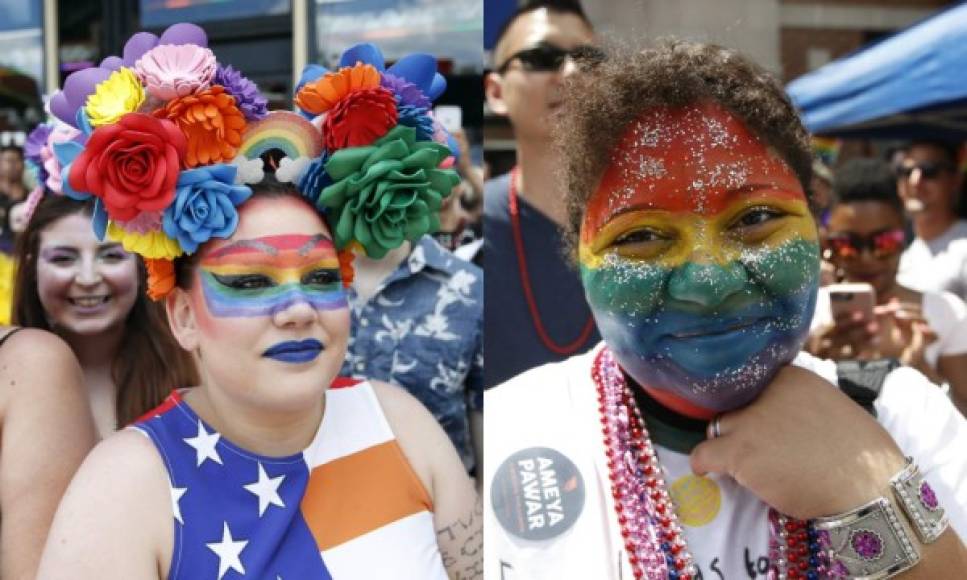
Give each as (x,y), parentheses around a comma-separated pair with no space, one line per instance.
(869,542)
(919,503)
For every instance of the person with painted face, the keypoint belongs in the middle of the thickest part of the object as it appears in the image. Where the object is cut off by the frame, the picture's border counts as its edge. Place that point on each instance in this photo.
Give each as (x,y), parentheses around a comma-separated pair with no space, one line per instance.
(698,440)
(929,182)
(90,293)
(270,467)
(865,234)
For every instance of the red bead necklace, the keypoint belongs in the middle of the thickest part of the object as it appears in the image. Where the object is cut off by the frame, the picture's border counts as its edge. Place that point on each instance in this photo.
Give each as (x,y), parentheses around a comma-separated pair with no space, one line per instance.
(563,350)
(652,536)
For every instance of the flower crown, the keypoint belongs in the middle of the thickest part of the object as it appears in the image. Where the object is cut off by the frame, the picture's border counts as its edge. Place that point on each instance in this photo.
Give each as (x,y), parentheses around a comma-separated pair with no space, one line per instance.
(168,141)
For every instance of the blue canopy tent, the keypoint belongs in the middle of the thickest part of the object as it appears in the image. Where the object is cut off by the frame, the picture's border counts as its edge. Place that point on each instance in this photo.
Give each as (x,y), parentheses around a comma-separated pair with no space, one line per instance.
(910,85)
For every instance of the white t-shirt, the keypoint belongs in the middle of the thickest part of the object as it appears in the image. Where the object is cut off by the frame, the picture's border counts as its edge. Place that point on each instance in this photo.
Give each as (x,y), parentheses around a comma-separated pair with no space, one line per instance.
(938,265)
(543,443)
(944,312)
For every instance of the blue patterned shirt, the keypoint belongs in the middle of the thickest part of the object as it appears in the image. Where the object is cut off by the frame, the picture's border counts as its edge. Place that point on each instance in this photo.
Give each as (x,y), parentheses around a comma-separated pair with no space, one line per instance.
(422,330)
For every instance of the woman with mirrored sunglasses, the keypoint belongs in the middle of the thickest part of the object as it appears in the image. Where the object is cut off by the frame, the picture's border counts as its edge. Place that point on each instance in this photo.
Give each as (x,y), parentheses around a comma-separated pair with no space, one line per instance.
(865,237)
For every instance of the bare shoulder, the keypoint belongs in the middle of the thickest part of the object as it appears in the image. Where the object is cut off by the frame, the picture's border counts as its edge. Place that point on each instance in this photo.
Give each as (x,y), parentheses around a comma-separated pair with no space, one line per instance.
(403,411)
(117,507)
(35,355)
(38,368)
(125,467)
(424,443)
(130,447)
(32,346)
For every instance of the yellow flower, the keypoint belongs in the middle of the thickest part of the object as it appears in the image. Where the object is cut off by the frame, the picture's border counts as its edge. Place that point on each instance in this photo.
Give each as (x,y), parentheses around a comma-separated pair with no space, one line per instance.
(119,95)
(152,245)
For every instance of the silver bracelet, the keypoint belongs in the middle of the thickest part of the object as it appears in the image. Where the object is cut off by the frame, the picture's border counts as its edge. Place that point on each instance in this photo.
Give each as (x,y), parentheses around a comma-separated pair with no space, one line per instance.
(919,503)
(869,542)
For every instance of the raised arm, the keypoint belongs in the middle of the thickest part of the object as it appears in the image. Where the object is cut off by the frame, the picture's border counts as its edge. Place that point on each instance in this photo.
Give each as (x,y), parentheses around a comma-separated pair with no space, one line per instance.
(457,514)
(115,522)
(46,432)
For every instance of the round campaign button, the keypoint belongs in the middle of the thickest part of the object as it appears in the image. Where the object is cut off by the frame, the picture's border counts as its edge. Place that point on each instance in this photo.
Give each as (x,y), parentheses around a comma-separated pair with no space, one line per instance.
(537,493)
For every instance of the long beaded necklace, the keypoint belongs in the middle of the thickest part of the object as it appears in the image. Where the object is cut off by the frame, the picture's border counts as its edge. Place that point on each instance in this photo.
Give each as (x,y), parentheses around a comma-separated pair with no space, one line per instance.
(652,536)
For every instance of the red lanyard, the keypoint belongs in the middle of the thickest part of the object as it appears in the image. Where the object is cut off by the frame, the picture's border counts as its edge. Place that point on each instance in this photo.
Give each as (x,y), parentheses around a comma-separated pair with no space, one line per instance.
(564,350)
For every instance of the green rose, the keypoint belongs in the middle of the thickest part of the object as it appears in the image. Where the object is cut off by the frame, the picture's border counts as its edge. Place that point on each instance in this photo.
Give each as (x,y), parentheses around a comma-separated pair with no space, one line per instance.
(388,192)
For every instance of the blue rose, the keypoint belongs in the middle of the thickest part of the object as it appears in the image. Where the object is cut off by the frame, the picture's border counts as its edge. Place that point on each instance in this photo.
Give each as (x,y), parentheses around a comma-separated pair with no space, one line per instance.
(204,206)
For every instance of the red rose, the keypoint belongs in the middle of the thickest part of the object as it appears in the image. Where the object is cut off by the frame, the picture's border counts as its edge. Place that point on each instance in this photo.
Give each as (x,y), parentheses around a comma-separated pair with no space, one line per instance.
(362,117)
(131,165)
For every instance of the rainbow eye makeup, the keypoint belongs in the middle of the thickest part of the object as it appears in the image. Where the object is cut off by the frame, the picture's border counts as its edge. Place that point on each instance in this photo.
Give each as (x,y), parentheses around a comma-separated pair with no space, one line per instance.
(699,257)
(266,275)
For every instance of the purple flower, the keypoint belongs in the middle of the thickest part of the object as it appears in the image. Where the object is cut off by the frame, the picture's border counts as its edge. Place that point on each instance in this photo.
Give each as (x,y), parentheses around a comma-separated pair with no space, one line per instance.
(36,141)
(417,118)
(406,92)
(247,97)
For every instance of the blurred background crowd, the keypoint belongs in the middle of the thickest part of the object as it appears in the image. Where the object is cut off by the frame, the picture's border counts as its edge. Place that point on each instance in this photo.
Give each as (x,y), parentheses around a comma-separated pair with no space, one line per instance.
(878,82)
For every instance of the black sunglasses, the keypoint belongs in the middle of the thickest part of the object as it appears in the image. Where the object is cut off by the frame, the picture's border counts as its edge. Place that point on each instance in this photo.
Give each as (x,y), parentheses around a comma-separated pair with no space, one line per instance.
(549,58)
(928,169)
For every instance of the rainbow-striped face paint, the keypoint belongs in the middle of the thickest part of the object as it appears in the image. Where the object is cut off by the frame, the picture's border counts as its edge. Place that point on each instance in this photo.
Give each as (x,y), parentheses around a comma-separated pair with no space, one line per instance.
(699,258)
(263,276)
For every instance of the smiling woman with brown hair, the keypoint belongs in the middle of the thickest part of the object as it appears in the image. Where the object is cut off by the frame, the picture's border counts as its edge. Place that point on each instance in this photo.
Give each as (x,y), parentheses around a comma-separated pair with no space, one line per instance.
(90,293)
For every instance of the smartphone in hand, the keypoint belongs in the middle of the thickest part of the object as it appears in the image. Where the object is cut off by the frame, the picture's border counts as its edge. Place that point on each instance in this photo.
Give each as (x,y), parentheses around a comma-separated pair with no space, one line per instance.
(848,299)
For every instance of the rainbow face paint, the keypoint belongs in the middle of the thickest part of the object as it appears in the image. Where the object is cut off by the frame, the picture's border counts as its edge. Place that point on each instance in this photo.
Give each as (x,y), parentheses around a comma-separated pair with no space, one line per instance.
(699,258)
(263,276)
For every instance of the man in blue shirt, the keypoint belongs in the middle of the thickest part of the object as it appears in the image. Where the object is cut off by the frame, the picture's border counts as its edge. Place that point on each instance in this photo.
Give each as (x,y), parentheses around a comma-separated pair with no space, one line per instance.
(417,322)
(536,309)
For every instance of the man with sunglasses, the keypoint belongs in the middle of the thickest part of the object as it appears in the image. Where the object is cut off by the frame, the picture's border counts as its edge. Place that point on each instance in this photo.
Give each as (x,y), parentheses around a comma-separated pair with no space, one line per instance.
(536,312)
(929,184)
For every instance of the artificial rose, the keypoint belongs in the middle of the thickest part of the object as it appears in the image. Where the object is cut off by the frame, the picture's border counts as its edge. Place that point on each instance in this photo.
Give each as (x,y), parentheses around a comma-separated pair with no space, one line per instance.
(388,192)
(204,206)
(132,165)
(362,117)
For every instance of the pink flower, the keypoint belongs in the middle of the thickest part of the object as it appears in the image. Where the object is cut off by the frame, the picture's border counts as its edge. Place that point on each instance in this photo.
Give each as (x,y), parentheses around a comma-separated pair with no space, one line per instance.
(170,71)
(62,133)
(145,222)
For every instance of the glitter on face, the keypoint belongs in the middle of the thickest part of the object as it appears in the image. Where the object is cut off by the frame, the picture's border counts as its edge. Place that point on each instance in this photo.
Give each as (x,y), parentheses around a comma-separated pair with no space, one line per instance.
(701,276)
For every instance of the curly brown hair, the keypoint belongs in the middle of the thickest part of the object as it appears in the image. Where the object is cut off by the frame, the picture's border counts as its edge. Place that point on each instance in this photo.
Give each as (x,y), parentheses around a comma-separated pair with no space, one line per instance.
(604,99)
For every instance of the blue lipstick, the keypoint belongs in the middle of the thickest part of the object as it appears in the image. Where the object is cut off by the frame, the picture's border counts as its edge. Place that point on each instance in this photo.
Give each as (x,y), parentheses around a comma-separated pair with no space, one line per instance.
(295,351)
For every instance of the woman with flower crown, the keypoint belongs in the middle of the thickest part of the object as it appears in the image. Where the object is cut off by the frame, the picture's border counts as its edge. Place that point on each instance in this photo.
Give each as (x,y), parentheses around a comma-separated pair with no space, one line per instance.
(697,441)
(271,467)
